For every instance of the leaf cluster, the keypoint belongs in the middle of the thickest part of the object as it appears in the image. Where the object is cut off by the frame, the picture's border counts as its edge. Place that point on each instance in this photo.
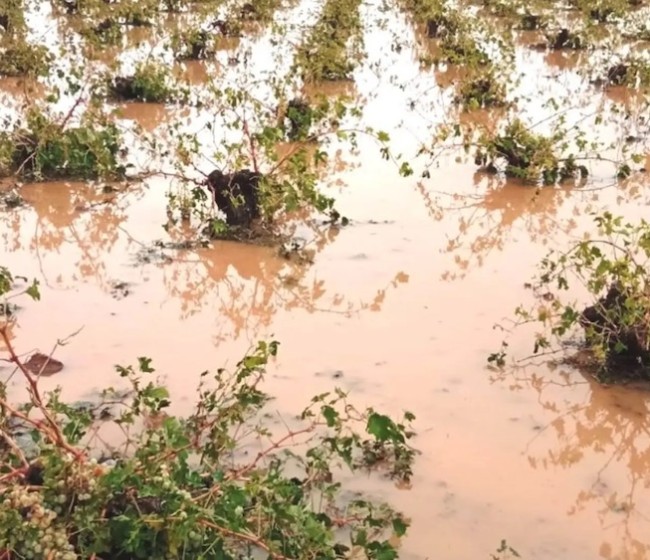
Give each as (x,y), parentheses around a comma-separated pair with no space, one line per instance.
(481,89)
(528,156)
(150,82)
(185,486)
(20,58)
(324,55)
(43,148)
(612,269)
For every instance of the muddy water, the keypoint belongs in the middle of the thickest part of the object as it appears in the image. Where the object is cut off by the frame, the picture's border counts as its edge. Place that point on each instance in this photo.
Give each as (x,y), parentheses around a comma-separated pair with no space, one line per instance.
(398,308)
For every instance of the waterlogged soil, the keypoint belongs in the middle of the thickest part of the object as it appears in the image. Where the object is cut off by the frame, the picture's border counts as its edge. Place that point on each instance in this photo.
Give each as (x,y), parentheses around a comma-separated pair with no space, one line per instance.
(398,307)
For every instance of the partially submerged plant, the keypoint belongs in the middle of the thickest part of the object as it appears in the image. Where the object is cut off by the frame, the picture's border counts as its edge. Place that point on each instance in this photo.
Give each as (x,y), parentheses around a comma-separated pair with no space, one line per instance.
(605,10)
(260,11)
(12,17)
(636,25)
(482,89)
(193,44)
(301,117)
(186,486)
(529,21)
(330,50)
(565,38)
(433,14)
(632,71)
(43,148)
(615,318)
(528,156)
(108,31)
(21,58)
(502,8)
(463,48)
(150,82)
(237,195)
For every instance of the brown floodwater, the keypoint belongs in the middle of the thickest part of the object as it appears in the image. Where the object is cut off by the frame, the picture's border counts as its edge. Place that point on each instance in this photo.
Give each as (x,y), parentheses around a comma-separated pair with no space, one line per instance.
(398,308)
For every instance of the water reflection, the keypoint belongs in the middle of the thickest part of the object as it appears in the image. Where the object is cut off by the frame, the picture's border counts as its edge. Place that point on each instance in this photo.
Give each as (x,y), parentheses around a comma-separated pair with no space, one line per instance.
(79,231)
(78,216)
(607,428)
(245,286)
(148,115)
(488,220)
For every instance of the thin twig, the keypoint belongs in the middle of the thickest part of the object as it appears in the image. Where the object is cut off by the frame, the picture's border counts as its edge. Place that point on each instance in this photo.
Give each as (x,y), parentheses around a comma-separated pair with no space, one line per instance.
(250,538)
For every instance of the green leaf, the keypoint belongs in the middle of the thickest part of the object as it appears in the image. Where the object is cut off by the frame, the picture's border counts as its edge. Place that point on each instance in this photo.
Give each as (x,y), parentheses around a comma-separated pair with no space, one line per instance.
(381,551)
(144,364)
(400,526)
(405,170)
(159,393)
(330,415)
(33,291)
(380,426)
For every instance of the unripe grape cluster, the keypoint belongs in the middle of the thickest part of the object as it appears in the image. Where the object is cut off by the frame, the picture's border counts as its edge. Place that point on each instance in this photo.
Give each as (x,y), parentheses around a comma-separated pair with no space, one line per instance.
(28,527)
(32,520)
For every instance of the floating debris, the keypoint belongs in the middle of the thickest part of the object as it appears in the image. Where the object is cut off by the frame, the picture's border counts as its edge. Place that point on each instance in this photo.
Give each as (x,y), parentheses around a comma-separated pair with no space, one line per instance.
(40,364)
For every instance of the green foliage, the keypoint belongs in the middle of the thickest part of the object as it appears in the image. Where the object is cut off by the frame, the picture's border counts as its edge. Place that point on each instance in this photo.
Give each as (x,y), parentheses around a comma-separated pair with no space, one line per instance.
(604,10)
(12,18)
(633,71)
(290,181)
(106,32)
(502,7)
(325,54)
(295,187)
(528,156)
(20,58)
(150,82)
(425,11)
(183,486)
(193,44)
(462,48)
(260,11)
(612,266)
(8,282)
(300,116)
(44,149)
(482,89)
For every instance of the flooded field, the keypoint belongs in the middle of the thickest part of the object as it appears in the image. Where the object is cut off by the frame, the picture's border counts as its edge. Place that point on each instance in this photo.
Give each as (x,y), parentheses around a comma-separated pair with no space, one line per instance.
(396,304)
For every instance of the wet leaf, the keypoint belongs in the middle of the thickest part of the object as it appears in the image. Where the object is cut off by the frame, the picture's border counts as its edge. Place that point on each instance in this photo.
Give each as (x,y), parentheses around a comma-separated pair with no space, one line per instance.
(380,426)
(145,365)
(330,415)
(400,526)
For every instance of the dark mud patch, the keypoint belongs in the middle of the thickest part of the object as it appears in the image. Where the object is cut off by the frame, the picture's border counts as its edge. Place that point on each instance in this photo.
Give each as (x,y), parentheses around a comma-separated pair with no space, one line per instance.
(150,255)
(588,365)
(236,194)
(157,252)
(43,365)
